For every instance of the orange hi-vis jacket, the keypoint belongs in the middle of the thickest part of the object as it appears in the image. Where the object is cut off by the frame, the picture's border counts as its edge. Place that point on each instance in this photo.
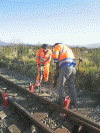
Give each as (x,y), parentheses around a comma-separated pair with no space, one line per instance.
(63,56)
(43,58)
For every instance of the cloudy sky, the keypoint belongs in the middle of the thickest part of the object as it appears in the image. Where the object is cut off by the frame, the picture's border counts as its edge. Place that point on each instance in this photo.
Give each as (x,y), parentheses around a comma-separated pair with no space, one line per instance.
(73,22)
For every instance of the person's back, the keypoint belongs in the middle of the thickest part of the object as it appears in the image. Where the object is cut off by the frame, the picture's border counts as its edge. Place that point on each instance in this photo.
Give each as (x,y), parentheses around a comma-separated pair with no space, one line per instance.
(64,58)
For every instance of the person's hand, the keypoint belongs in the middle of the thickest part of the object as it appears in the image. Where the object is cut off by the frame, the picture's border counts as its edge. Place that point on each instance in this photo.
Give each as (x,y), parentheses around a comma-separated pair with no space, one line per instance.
(41,64)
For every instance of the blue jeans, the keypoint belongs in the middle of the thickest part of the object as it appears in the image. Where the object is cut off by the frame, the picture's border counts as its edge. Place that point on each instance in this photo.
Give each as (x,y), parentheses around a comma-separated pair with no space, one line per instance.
(67,74)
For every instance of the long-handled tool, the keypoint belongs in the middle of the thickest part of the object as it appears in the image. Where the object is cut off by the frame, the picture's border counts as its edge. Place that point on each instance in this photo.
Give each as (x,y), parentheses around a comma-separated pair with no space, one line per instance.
(41,69)
(56,75)
(80,60)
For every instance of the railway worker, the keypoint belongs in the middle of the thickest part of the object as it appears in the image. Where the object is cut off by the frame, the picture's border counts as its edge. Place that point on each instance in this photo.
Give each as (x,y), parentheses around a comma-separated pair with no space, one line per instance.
(43,57)
(64,59)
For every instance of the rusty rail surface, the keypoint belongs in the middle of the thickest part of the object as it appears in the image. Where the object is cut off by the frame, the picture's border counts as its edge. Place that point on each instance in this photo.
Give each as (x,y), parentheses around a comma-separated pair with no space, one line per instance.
(25,113)
(88,125)
(30,116)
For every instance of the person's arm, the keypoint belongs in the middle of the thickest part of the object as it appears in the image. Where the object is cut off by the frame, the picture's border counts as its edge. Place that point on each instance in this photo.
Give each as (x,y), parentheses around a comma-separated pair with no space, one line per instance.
(37,57)
(55,54)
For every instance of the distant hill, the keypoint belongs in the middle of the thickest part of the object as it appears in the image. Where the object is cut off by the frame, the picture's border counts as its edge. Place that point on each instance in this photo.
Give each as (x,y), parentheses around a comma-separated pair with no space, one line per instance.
(8,44)
(92,46)
(4,43)
(89,46)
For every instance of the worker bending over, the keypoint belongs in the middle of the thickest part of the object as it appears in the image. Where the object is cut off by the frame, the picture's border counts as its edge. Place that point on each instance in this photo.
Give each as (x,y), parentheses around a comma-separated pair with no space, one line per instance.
(64,59)
(43,57)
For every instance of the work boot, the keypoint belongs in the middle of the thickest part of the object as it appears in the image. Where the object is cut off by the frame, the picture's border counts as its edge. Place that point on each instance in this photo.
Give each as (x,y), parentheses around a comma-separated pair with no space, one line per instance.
(73,106)
(36,89)
(59,102)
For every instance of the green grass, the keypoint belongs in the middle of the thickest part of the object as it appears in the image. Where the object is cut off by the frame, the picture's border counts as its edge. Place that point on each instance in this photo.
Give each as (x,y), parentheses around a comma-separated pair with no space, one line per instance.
(21,59)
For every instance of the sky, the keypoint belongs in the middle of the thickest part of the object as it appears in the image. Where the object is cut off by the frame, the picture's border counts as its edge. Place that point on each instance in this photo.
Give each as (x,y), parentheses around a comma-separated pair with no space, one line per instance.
(72,22)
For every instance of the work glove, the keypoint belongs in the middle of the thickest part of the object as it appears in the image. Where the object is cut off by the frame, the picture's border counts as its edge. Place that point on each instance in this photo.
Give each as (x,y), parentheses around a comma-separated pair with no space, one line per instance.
(41,64)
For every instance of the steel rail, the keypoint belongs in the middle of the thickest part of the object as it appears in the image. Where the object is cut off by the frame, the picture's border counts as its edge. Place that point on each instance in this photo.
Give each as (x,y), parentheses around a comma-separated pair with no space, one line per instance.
(24,112)
(89,128)
(84,121)
(29,115)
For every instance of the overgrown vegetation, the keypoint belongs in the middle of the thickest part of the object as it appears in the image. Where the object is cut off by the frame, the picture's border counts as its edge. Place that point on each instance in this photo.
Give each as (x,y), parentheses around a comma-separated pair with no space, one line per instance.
(21,59)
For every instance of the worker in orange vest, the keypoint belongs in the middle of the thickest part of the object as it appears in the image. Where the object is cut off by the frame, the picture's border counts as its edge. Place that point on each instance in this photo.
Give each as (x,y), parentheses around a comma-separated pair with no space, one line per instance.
(65,61)
(43,57)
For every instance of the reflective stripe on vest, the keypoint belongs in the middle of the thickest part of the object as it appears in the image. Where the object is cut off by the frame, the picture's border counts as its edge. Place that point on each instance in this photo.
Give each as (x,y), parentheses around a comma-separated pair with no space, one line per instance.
(41,59)
(67,60)
(37,83)
(56,53)
(65,51)
(36,57)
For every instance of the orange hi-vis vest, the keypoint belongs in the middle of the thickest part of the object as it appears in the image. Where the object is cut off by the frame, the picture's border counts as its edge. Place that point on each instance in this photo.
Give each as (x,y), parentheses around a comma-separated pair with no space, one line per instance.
(43,58)
(63,56)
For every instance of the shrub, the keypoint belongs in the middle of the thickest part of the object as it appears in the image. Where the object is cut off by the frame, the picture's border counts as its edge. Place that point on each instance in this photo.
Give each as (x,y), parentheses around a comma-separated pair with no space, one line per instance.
(21,59)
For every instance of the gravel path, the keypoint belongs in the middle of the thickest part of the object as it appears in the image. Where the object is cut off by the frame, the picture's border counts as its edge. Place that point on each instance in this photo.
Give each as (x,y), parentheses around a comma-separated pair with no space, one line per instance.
(86,101)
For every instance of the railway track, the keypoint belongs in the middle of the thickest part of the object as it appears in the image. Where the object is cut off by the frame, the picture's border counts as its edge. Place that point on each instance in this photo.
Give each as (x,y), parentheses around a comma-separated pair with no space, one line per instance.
(43,114)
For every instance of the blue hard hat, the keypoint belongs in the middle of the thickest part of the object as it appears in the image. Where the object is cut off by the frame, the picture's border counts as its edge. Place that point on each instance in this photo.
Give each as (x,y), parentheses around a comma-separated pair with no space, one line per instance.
(57,43)
(60,43)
